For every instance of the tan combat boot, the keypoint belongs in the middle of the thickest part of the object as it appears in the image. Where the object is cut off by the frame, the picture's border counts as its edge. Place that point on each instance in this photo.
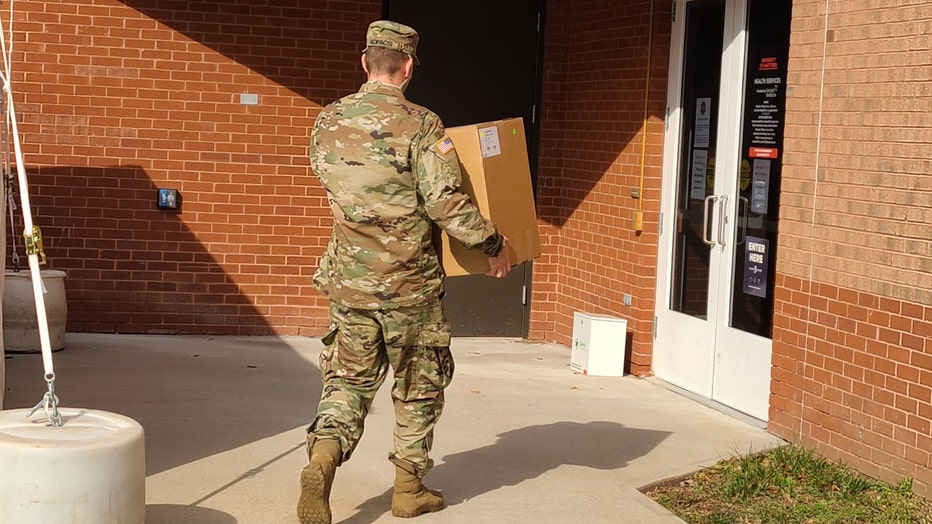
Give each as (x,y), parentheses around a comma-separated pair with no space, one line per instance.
(411,498)
(316,480)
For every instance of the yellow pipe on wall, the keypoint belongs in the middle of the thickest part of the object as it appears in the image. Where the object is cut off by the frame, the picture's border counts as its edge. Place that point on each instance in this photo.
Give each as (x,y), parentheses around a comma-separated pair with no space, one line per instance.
(639,214)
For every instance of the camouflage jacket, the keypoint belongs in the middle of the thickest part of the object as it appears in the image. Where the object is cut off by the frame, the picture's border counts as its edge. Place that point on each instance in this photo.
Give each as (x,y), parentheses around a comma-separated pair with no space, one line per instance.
(389,171)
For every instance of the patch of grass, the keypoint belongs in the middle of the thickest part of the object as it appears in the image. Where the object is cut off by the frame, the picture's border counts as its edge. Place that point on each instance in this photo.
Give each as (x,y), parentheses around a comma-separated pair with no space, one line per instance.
(789,485)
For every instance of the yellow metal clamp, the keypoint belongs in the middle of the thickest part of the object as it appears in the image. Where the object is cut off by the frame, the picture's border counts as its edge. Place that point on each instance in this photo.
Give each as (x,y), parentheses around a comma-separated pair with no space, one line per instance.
(34,243)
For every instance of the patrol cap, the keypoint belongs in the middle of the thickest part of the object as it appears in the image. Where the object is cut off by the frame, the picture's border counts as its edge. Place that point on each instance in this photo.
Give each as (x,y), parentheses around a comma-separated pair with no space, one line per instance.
(392,35)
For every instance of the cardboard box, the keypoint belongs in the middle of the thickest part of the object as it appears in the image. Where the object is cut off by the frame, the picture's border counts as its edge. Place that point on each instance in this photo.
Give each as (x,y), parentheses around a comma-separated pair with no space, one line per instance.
(599,344)
(496,174)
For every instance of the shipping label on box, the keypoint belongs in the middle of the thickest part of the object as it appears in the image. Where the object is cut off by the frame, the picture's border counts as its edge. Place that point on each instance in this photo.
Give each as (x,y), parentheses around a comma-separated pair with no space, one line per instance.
(497,176)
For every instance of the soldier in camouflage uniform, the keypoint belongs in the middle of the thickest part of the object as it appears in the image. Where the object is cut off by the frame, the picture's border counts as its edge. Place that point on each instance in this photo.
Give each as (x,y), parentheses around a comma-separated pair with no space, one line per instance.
(390,172)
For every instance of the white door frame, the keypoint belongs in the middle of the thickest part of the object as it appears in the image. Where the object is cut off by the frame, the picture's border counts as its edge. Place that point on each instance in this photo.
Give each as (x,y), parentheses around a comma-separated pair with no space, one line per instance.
(705,355)
(678,345)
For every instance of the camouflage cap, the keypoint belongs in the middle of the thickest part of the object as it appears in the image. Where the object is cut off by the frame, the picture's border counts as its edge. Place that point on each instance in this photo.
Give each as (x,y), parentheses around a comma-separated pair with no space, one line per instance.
(392,35)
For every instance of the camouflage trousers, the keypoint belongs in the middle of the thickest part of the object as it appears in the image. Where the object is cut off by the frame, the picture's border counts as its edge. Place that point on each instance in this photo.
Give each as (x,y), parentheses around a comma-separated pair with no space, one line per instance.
(414,342)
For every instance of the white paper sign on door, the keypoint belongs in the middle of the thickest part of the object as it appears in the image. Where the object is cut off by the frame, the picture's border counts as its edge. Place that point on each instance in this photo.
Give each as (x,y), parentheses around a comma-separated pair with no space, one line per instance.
(760,186)
(703,121)
(697,185)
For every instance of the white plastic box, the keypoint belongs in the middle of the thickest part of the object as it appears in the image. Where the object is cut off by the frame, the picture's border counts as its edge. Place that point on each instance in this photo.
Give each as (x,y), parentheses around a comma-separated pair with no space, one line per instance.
(599,343)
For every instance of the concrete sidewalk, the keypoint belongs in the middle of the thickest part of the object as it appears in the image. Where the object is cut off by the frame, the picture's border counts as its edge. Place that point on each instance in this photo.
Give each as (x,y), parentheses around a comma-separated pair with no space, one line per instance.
(522,439)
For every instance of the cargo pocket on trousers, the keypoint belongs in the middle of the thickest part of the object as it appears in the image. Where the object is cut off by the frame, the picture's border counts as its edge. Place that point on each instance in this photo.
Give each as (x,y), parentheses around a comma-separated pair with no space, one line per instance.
(326,355)
(435,361)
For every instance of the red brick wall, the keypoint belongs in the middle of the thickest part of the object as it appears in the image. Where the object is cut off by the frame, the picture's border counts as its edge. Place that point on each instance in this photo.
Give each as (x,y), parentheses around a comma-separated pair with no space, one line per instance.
(595,69)
(852,357)
(852,377)
(116,101)
(119,101)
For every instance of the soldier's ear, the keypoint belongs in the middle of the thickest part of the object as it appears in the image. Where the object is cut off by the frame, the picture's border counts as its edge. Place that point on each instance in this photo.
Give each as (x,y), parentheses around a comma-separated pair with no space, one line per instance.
(362,59)
(408,68)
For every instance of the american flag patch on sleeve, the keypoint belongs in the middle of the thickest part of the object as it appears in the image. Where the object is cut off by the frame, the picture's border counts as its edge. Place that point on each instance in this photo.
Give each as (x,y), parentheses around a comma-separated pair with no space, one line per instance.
(444,145)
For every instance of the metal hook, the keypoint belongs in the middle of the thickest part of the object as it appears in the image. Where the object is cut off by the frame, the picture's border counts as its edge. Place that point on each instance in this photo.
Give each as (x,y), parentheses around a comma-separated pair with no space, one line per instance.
(49,404)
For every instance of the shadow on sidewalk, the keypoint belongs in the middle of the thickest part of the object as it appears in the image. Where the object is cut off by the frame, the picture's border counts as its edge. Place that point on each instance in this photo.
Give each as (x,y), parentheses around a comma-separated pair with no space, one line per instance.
(195,397)
(524,454)
(185,513)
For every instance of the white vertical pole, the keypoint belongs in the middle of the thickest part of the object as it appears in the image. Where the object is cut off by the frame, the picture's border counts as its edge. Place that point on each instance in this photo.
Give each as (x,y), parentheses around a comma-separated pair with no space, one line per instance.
(38,287)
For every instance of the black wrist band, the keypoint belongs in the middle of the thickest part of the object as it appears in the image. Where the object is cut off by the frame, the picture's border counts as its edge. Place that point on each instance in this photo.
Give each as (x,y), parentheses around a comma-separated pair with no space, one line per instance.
(493,245)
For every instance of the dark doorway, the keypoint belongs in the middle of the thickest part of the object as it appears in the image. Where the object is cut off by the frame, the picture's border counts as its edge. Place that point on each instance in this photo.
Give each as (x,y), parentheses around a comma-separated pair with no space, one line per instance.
(480,61)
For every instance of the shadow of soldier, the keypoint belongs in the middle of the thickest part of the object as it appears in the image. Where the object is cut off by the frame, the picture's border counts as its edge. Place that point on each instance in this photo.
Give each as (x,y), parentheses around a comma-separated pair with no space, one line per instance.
(524,454)
(157,513)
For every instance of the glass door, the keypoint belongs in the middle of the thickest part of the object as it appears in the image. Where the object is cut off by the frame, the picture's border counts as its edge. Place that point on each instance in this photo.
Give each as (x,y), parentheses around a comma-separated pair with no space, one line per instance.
(720,199)
(743,344)
(687,292)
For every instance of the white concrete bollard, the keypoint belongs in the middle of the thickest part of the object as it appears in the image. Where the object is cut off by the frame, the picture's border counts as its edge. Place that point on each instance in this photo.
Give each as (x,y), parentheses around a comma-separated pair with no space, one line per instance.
(20,323)
(91,470)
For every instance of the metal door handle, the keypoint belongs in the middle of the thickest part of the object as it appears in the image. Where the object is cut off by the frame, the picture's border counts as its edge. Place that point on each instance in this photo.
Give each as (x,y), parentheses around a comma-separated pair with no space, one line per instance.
(705,219)
(743,219)
(722,219)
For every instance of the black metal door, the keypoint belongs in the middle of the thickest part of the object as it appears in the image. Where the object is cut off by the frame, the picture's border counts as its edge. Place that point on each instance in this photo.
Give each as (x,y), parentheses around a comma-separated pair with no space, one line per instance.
(480,61)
